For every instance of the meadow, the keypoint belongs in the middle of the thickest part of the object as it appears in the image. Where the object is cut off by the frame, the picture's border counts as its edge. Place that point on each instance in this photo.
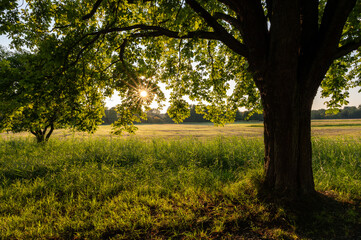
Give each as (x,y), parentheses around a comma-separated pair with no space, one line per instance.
(320,128)
(186,181)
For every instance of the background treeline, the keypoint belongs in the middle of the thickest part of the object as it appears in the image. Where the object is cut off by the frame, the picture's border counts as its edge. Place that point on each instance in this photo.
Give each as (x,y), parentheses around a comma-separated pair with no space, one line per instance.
(345,113)
(155,116)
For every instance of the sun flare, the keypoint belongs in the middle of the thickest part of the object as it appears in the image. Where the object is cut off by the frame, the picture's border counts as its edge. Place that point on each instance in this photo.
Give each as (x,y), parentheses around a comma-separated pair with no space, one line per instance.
(143,93)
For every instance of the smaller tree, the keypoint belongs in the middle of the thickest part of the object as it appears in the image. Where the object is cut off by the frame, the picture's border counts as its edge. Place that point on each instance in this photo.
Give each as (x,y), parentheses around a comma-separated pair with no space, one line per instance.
(38,95)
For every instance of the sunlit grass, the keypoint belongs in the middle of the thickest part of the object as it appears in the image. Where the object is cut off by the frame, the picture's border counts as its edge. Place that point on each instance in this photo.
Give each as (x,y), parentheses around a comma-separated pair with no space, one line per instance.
(320,128)
(337,165)
(188,188)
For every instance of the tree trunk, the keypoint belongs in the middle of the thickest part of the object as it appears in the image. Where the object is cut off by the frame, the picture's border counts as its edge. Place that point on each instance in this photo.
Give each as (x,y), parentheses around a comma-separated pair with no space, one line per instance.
(287,138)
(40,137)
(50,132)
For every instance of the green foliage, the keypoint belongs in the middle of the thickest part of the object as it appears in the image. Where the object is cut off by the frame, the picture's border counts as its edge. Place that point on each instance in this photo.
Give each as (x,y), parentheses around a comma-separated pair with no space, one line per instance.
(38,95)
(144,43)
(337,84)
(179,110)
(127,118)
(195,67)
(8,15)
(187,188)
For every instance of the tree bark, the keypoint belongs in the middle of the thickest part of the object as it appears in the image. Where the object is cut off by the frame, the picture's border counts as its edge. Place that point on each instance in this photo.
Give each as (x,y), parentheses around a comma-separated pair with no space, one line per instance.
(50,132)
(287,138)
(40,137)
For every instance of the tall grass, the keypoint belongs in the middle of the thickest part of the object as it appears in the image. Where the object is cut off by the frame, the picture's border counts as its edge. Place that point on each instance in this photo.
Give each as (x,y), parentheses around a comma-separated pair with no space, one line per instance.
(337,165)
(153,189)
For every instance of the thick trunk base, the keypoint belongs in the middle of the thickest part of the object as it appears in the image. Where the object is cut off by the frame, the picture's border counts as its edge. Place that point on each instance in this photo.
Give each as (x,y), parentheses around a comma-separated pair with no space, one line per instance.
(288,149)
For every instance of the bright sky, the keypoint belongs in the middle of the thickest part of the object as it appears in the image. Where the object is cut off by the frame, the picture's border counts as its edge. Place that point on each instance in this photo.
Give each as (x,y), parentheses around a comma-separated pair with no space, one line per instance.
(4,41)
(354,99)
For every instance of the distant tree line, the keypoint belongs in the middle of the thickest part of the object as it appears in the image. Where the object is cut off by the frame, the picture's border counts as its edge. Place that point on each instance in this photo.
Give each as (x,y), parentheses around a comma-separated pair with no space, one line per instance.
(345,113)
(155,116)
(110,116)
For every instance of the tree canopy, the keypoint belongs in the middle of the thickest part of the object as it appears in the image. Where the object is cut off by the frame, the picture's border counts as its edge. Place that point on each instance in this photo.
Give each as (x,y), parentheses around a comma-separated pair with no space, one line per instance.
(196,48)
(278,53)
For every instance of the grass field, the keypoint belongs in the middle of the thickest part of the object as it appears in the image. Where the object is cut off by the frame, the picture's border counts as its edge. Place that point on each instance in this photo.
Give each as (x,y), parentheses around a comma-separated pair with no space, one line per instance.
(320,128)
(164,184)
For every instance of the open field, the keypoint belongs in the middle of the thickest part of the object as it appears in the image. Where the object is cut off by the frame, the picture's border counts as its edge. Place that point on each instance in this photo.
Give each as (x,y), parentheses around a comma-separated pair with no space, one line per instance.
(320,128)
(163,184)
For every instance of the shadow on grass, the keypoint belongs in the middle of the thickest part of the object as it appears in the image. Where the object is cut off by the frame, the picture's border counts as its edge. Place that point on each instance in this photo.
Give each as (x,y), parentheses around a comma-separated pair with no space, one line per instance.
(249,216)
(259,215)
(321,216)
(9,176)
(324,217)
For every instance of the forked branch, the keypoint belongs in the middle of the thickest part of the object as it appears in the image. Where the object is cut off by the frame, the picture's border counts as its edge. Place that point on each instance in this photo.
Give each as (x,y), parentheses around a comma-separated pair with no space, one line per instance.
(347,48)
(231,20)
(224,35)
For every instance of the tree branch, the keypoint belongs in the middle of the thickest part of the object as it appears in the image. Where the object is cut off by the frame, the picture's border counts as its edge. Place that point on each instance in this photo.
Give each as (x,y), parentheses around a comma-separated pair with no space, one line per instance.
(224,36)
(93,11)
(60,27)
(231,4)
(253,22)
(195,34)
(122,49)
(50,132)
(131,75)
(309,37)
(46,128)
(156,31)
(231,20)
(269,7)
(95,38)
(309,23)
(333,20)
(347,48)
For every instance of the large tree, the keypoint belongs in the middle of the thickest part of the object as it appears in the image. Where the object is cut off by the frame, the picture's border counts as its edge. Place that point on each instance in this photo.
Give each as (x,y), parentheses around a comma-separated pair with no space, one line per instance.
(277,53)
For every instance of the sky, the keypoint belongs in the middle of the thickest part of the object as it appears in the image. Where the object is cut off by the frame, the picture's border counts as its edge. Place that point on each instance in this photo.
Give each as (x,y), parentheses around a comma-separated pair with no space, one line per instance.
(354,99)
